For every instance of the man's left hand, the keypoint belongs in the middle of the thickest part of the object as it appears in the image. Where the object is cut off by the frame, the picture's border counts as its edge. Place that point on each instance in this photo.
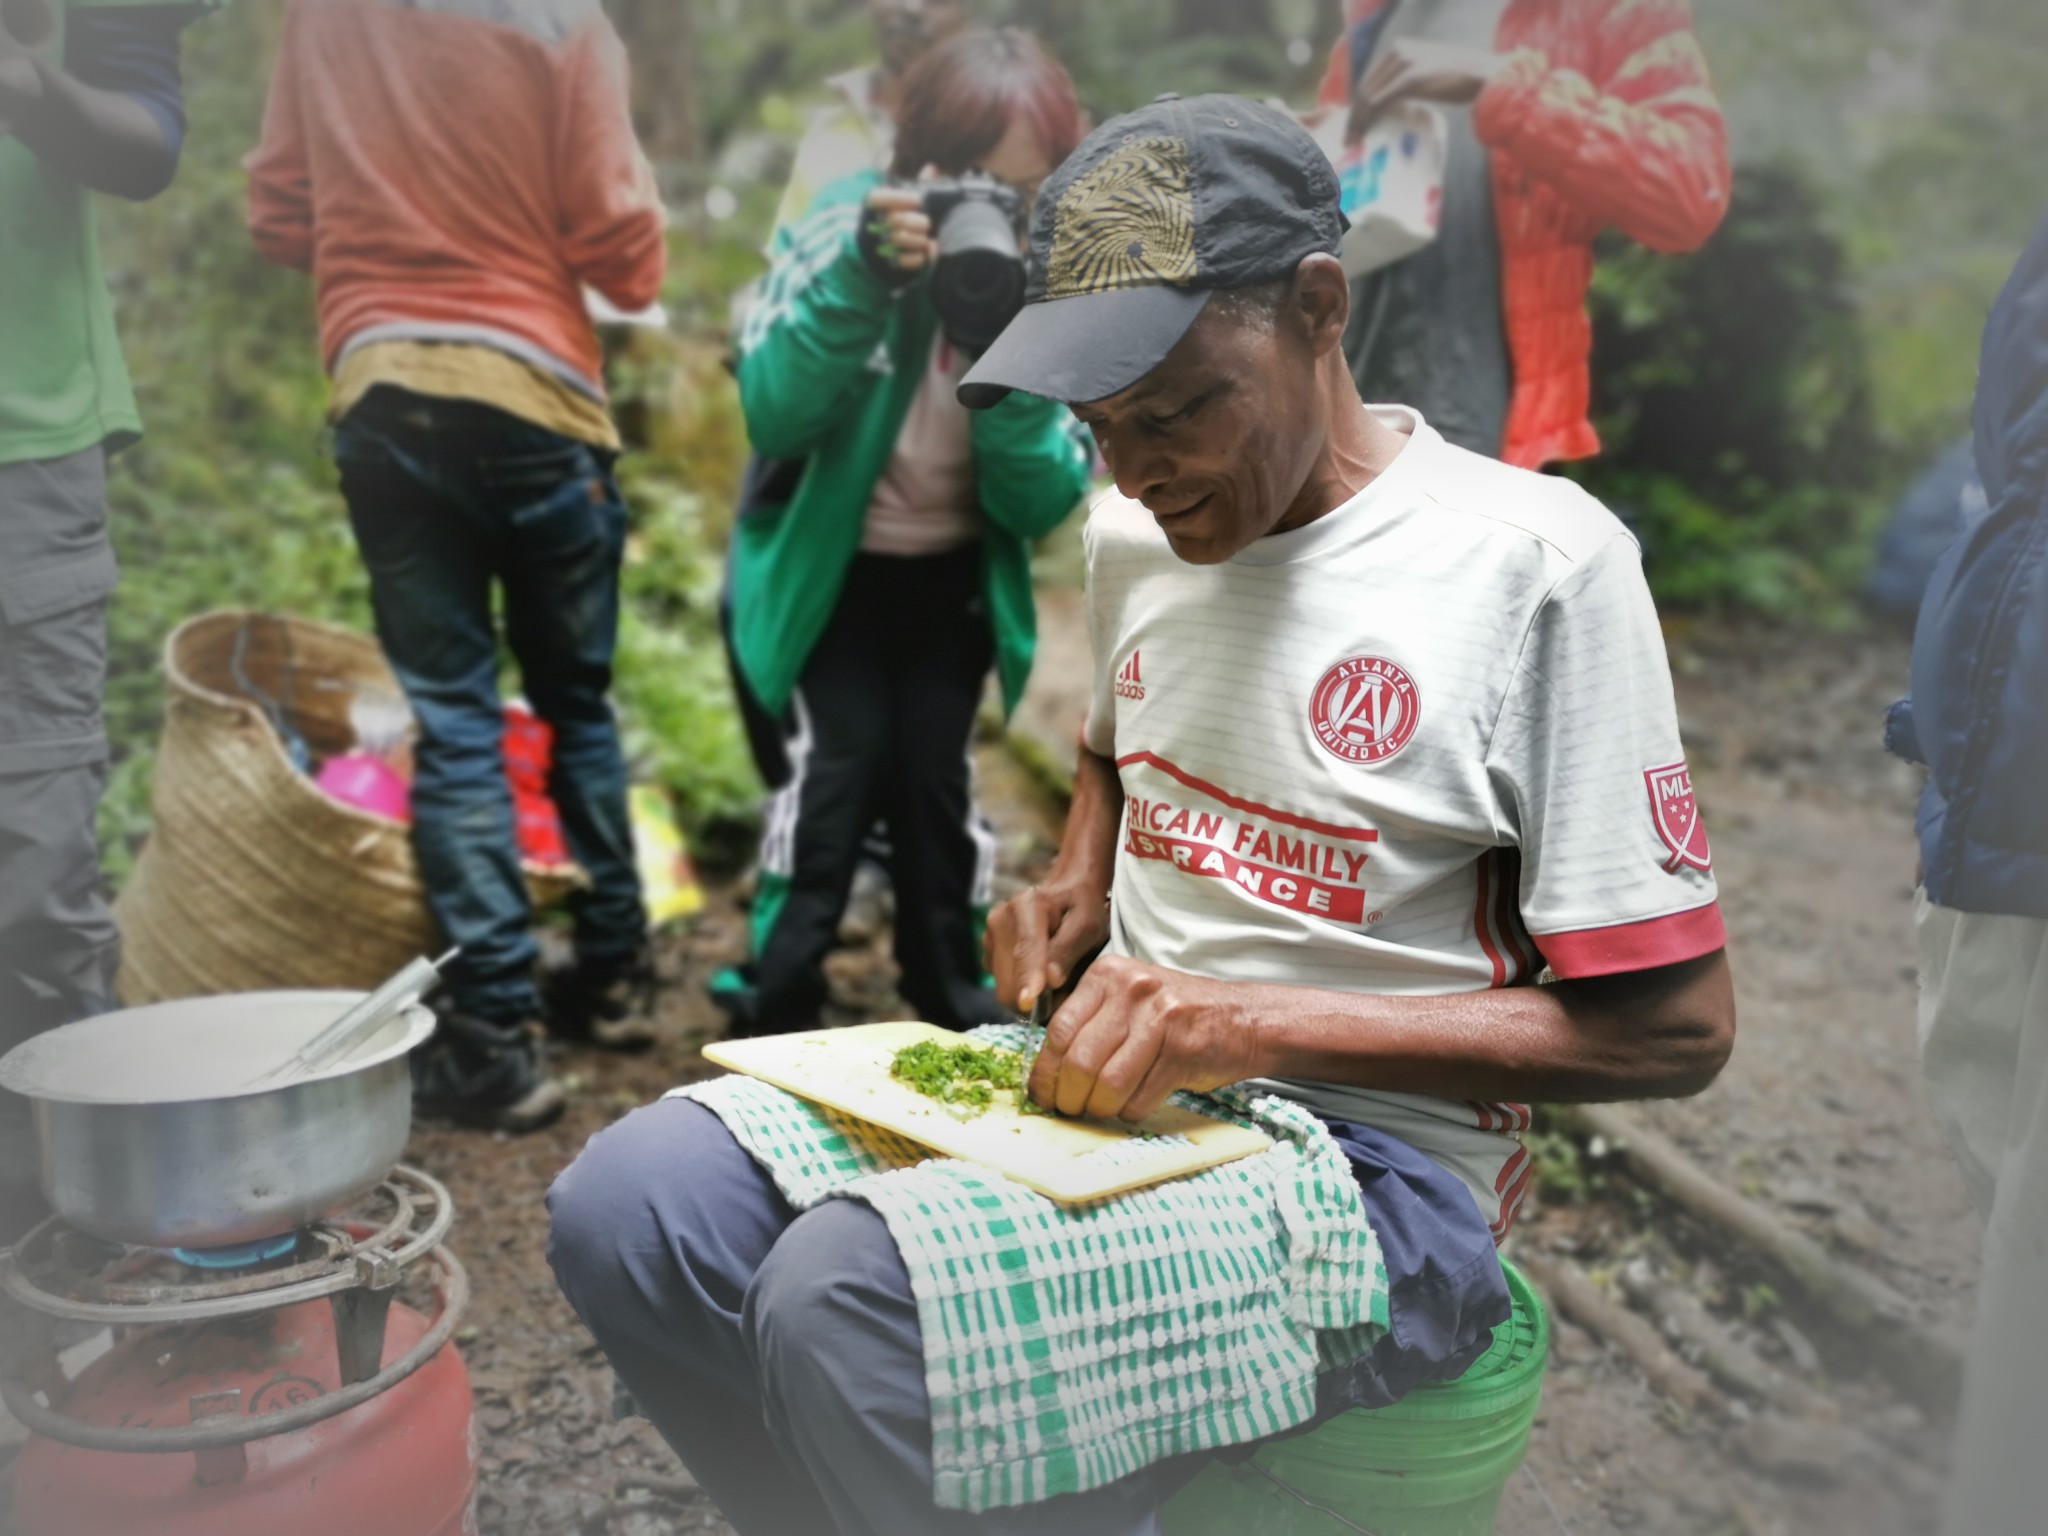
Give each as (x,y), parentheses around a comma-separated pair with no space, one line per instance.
(1132,1034)
(1416,70)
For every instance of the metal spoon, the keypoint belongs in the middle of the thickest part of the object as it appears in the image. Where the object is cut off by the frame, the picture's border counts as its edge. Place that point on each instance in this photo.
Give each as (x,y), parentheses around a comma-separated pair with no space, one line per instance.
(360,1022)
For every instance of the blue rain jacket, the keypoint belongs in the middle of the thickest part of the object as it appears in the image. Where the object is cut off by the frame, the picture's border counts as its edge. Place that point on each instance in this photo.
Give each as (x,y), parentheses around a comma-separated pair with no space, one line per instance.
(1978,713)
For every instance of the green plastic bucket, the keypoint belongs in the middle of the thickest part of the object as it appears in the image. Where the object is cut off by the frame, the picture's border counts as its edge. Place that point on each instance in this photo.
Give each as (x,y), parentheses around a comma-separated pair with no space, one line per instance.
(1434,1464)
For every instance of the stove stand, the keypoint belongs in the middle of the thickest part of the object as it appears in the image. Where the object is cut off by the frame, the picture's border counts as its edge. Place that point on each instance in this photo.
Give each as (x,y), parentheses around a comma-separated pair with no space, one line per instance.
(355,1265)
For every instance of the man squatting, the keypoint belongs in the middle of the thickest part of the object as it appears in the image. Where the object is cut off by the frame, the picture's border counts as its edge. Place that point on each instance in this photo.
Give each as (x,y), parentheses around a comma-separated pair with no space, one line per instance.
(1381,729)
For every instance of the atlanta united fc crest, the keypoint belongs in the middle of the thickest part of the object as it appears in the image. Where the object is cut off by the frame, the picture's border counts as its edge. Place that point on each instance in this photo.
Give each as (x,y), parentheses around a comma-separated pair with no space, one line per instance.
(1676,811)
(1364,710)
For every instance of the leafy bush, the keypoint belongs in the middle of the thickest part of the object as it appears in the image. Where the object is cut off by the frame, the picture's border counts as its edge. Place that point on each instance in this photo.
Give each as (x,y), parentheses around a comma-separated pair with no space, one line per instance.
(672,680)
(230,500)
(1828,336)
(1732,392)
(226,502)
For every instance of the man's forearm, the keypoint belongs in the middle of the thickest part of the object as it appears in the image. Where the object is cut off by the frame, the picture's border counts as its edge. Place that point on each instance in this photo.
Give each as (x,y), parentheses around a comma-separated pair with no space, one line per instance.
(1040,940)
(1094,814)
(101,139)
(1653,1034)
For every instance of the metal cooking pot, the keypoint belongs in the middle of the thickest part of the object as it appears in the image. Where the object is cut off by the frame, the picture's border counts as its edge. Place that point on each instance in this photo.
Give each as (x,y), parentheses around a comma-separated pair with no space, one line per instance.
(150,1132)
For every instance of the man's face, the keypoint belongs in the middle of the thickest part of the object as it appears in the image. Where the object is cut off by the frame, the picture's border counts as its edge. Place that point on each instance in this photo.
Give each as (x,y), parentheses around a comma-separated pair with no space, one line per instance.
(908,29)
(1219,439)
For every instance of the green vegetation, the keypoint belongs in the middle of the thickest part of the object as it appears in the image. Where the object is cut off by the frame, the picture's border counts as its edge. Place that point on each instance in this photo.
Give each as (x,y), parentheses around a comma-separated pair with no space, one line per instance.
(227,502)
(1763,401)
(965,1078)
(1760,1301)
(1567,1175)
(1735,404)
(230,501)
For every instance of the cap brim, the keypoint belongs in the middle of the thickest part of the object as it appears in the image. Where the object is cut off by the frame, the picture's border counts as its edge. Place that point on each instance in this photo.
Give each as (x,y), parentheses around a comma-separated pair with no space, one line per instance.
(1084,348)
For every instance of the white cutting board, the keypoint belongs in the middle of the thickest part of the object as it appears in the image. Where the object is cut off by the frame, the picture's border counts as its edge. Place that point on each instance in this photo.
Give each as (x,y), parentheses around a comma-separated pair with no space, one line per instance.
(1071,1161)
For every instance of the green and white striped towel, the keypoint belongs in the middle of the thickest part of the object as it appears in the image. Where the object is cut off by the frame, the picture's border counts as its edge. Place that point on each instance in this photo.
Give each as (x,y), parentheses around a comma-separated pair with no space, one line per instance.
(1068,1347)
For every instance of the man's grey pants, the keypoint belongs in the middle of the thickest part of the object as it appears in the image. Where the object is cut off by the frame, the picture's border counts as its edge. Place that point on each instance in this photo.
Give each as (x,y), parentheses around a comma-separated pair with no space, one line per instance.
(59,948)
(779,1353)
(1984,1048)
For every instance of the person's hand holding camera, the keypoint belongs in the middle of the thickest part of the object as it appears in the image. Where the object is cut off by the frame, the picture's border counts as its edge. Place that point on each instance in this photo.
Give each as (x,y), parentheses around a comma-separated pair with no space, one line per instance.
(968,232)
(1415,69)
(896,233)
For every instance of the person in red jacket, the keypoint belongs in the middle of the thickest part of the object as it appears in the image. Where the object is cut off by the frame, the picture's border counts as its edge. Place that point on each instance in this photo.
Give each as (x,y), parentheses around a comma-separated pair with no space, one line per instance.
(1566,118)
(455,176)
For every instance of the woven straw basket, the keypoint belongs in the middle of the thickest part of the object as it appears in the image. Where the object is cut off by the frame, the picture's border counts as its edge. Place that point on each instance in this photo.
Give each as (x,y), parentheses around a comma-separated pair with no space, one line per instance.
(252,877)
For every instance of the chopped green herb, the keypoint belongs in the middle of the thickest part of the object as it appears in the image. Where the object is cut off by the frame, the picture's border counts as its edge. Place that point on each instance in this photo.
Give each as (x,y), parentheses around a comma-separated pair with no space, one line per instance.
(964,1077)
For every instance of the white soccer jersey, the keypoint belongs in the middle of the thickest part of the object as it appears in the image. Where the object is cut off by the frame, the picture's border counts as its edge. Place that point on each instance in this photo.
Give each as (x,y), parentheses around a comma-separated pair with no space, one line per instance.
(1424,745)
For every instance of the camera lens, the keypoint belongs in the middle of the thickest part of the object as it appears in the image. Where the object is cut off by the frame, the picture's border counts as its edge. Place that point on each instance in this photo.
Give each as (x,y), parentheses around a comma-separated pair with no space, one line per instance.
(978,284)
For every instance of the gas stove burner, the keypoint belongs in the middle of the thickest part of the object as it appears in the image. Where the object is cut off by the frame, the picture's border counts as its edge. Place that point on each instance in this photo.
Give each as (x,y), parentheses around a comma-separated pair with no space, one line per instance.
(351,1266)
(237,1255)
(61,1272)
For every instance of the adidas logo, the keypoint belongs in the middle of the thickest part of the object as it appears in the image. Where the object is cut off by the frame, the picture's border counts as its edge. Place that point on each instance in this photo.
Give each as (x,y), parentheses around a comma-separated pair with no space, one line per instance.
(1129,683)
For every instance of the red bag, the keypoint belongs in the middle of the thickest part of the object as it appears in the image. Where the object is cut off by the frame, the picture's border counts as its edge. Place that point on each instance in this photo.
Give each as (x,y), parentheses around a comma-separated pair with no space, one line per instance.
(529,758)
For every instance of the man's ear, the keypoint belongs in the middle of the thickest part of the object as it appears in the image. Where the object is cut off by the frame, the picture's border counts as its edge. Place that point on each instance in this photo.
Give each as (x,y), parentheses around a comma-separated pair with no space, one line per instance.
(1322,297)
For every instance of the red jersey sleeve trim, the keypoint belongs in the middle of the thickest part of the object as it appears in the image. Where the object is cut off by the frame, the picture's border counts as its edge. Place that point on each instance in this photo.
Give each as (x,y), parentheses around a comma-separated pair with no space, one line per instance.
(1635,946)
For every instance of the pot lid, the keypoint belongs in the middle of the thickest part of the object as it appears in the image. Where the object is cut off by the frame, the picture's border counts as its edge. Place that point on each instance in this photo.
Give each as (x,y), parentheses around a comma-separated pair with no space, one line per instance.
(196,1049)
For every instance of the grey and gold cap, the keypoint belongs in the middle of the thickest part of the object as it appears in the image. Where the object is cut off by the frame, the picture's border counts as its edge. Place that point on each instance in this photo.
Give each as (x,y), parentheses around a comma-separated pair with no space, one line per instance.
(1154,212)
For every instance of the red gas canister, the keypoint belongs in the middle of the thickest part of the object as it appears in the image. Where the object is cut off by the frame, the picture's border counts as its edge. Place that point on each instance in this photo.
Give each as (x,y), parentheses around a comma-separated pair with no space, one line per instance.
(401,1464)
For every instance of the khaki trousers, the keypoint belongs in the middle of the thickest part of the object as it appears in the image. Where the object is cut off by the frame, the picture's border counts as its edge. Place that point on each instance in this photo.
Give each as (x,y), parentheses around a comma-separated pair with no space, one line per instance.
(1984,1049)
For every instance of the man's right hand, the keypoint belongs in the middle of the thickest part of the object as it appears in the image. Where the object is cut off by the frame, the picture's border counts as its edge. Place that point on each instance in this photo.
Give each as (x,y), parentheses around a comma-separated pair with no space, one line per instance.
(1414,69)
(1037,942)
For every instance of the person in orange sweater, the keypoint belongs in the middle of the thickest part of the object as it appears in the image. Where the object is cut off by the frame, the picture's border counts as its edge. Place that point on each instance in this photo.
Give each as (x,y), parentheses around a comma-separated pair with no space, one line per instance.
(1566,118)
(454,177)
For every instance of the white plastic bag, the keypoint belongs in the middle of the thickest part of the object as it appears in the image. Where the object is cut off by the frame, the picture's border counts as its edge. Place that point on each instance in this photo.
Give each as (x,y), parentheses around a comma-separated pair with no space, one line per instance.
(1392,186)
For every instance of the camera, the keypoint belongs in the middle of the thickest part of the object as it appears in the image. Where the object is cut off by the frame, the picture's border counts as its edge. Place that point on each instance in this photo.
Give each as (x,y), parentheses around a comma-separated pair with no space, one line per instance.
(978,280)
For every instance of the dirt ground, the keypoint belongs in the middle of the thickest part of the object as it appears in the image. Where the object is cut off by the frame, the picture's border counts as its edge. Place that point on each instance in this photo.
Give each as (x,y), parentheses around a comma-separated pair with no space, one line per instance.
(554,1461)
(1820,1115)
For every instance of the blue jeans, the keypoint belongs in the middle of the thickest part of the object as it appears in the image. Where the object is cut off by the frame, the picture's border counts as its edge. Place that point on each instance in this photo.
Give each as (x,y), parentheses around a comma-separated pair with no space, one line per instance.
(450,499)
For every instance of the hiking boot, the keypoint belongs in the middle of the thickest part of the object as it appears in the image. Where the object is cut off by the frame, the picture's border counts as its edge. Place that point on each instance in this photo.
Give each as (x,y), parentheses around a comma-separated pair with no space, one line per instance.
(870,907)
(478,1073)
(607,1001)
(733,991)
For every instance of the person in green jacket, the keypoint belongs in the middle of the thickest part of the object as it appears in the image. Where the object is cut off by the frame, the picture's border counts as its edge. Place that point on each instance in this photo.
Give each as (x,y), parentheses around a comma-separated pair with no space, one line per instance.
(883,565)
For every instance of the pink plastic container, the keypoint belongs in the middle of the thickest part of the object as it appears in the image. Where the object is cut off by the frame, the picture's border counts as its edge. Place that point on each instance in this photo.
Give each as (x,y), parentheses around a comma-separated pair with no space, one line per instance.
(367,783)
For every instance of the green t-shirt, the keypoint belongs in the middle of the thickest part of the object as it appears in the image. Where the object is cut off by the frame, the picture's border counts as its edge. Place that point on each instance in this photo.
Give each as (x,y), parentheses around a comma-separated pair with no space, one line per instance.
(63,384)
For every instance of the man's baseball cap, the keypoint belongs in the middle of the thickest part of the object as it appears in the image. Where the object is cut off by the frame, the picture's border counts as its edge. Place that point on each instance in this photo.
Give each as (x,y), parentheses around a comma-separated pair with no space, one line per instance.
(1154,212)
